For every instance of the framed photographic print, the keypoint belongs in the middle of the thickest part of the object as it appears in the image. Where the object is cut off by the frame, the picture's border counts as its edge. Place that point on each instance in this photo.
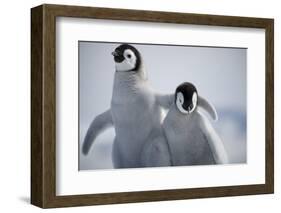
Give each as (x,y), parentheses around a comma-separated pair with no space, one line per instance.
(135,106)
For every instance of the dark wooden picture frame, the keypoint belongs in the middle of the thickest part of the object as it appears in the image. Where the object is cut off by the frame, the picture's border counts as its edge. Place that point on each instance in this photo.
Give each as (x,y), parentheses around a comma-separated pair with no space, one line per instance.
(43,105)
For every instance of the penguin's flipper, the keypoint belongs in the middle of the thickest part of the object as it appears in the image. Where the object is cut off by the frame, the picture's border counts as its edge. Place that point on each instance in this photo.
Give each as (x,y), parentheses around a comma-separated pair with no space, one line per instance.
(213,140)
(165,100)
(208,107)
(98,125)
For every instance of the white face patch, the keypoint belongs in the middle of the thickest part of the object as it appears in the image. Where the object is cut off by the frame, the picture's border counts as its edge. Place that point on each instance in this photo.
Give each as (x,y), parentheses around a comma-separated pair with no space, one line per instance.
(179,103)
(128,63)
(194,102)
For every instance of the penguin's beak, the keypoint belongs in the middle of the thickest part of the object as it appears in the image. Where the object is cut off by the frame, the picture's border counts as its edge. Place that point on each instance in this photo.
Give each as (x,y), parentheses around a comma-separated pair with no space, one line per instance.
(114,53)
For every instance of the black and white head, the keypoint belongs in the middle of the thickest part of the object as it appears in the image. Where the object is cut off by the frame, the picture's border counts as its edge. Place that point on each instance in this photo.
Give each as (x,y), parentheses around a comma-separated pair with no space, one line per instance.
(127,58)
(186,98)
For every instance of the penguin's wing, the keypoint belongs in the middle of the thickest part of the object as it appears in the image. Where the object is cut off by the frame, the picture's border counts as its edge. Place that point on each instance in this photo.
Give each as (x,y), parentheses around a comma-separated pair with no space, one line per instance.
(165,100)
(208,107)
(98,125)
(213,140)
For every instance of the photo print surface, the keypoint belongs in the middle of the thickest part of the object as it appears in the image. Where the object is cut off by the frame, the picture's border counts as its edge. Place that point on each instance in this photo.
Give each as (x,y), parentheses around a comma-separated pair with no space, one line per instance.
(152,105)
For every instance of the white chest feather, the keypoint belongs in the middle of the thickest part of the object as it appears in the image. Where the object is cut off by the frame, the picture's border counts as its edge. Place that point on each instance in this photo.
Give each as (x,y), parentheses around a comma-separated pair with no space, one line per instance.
(135,115)
(186,139)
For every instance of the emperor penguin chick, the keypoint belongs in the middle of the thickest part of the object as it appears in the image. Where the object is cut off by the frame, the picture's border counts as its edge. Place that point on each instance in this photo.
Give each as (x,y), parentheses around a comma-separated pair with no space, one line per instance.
(191,137)
(135,111)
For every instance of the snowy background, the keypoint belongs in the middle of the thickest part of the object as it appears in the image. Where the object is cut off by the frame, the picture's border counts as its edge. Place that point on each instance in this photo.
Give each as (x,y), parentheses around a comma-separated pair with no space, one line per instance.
(218,73)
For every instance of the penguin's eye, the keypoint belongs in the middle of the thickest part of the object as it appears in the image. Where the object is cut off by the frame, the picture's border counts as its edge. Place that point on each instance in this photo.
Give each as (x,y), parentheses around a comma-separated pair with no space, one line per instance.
(129,55)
